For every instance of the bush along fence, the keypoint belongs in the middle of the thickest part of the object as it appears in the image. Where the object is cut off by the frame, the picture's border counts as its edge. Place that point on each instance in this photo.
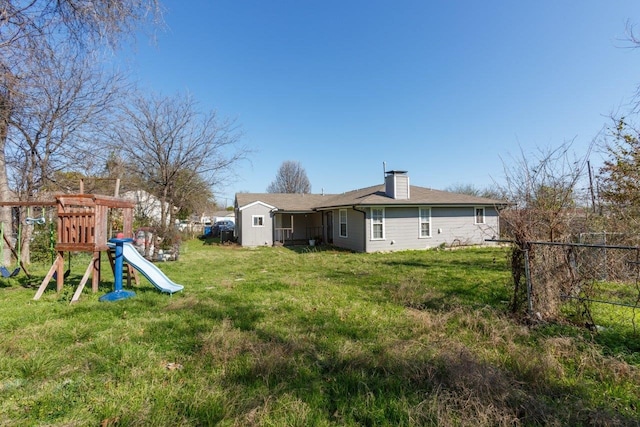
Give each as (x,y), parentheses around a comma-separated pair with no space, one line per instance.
(582,282)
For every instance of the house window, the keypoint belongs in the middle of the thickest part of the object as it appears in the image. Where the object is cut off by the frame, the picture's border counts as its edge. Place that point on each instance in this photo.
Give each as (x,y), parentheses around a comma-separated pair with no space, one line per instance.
(377,223)
(425,222)
(258,220)
(479,215)
(343,223)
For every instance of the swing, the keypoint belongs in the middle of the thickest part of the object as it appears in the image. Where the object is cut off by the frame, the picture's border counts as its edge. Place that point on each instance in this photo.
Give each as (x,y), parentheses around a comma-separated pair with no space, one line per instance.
(3,270)
(35,221)
(6,273)
(66,273)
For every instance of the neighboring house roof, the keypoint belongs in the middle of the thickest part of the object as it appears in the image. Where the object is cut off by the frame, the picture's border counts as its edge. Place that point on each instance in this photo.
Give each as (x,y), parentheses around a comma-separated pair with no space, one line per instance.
(223,214)
(370,196)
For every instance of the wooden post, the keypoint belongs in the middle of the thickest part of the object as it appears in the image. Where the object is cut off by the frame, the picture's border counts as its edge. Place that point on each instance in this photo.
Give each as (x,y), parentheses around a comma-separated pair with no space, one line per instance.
(78,292)
(60,271)
(56,266)
(127,222)
(95,281)
(83,226)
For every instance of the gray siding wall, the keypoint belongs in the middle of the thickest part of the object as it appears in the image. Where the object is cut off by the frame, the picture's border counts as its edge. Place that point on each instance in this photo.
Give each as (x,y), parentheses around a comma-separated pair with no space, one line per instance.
(355,231)
(456,225)
(255,236)
(397,186)
(402,187)
(401,231)
(451,226)
(389,186)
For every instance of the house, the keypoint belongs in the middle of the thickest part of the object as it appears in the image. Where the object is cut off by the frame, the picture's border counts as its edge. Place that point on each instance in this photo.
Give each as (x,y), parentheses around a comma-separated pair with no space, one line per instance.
(223,216)
(388,217)
(147,205)
(266,218)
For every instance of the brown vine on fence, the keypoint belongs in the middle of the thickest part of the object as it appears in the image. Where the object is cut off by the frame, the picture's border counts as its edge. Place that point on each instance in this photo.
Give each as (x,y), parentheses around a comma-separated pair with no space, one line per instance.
(566,279)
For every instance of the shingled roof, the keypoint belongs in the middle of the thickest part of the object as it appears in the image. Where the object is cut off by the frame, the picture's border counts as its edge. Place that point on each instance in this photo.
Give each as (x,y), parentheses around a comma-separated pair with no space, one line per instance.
(370,196)
(287,202)
(418,196)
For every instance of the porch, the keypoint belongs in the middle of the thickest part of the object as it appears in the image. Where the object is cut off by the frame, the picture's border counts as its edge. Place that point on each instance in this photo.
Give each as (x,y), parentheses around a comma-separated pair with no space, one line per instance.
(298,228)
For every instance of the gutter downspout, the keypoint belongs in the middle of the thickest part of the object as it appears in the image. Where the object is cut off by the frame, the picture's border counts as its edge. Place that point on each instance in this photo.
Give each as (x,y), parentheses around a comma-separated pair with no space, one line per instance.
(272,213)
(364,224)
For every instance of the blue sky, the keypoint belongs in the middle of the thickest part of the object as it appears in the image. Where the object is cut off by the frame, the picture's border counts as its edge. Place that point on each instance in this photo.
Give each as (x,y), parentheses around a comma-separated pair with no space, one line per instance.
(446,90)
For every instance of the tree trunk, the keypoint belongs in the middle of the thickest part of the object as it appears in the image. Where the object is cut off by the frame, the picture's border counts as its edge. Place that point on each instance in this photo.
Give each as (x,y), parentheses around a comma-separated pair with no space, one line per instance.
(5,192)
(25,237)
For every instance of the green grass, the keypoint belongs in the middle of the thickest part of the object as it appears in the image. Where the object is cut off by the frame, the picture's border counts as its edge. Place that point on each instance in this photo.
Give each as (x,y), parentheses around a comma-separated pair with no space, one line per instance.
(280,337)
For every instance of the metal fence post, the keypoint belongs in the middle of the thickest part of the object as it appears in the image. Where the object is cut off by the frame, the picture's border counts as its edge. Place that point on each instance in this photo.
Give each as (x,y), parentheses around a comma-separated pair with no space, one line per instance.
(527,275)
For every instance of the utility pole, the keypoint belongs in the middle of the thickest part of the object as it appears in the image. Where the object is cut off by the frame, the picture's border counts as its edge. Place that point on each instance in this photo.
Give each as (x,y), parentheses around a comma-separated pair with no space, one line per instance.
(593,196)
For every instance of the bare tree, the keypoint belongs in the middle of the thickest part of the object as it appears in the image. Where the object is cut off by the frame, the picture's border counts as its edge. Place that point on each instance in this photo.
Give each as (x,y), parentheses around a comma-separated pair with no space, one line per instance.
(472,190)
(175,148)
(633,40)
(52,126)
(619,177)
(194,193)
(543,190)
(31,25)
(291,178)
(66,98)
(31,32)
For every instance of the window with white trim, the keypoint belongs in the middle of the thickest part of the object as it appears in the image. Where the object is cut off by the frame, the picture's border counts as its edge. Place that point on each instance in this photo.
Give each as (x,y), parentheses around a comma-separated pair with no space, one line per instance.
(343,222)
(479,215)
(377,223)
(425,222)
(257,220)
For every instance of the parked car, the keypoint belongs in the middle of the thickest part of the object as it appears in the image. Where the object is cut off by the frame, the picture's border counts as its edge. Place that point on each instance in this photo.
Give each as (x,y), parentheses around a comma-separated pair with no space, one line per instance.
(224,225)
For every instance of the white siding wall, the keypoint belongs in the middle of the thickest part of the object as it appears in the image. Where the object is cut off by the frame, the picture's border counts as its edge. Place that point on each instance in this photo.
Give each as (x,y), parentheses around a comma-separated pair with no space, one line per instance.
(255,236)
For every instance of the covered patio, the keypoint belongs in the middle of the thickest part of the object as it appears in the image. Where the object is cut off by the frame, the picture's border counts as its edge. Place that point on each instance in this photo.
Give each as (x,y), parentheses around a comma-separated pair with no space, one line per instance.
(298,228)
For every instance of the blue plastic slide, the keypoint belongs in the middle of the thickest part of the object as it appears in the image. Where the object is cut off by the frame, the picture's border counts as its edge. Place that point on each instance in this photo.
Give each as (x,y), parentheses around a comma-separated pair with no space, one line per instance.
(149,270)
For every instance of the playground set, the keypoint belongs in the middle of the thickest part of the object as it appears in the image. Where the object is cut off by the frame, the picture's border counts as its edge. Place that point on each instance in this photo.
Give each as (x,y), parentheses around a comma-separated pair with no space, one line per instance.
(82,226)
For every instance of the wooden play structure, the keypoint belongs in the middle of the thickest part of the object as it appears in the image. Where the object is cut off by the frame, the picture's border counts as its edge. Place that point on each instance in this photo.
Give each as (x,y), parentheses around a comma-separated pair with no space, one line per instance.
(83,226)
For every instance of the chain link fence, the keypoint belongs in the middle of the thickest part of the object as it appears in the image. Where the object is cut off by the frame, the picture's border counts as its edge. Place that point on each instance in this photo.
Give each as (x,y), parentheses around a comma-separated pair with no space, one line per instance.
(584,281)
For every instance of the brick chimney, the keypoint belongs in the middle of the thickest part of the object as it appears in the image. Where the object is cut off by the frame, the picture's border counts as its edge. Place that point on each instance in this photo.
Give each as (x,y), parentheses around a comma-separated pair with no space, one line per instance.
(397,185)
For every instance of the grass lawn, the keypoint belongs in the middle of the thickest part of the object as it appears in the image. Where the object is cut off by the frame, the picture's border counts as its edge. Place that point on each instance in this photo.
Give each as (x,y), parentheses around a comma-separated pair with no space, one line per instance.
(280,337)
